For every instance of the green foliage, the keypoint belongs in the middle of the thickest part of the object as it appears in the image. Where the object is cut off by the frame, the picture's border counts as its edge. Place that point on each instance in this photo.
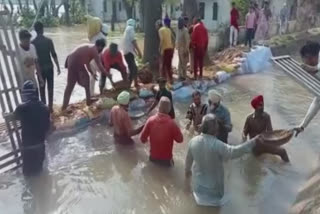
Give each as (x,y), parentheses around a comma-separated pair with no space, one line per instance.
(77,13)
(28,16)
(243,7)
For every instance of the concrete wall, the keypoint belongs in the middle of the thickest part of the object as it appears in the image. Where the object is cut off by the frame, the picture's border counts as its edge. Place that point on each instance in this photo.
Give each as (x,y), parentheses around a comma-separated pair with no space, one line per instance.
(96,8)
(224,8)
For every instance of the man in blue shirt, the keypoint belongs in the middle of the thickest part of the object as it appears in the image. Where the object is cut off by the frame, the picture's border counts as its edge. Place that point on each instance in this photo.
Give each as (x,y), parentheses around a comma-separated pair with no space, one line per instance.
(222,114)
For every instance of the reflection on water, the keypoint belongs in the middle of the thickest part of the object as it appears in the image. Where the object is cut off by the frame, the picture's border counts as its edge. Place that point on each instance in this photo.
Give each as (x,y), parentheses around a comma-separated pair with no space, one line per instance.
(88,173)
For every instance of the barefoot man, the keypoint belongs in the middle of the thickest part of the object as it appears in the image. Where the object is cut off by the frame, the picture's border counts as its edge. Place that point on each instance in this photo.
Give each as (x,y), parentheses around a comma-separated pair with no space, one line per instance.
(78,64)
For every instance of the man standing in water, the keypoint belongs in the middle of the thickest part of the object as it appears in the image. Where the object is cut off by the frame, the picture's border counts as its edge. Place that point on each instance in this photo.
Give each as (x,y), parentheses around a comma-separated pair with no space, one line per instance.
(206,154)
(45,50)
(310,57)
(163,92)
(222,114)
(258,123)
(35,123)
(120,120)
(162,131)
(78,64)
(196,111)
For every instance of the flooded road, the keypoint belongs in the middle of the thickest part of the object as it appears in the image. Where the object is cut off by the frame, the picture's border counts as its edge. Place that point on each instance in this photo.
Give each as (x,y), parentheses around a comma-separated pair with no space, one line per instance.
(87,173)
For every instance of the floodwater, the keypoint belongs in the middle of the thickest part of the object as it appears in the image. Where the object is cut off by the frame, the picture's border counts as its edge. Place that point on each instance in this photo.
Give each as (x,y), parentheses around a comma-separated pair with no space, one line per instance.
(88,173)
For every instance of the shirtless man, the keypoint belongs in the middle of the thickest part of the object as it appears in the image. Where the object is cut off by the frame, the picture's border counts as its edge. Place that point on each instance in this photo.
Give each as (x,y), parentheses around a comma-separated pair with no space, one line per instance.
(78,64)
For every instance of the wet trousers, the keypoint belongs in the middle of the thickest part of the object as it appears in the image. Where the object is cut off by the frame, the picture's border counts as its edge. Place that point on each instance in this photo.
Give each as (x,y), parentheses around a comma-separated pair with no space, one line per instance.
(48,79)
(33,157)
(167,57)
(199,54)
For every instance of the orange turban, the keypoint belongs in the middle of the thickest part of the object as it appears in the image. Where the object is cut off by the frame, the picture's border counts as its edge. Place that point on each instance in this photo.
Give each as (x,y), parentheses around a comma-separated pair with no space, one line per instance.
(257,101)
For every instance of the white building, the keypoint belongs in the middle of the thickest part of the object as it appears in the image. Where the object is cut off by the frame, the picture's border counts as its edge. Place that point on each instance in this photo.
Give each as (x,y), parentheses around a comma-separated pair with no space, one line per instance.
(104,9)
(215,13)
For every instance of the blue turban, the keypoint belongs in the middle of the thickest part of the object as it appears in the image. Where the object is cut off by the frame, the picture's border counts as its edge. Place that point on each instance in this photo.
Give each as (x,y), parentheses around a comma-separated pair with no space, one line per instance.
(29,92)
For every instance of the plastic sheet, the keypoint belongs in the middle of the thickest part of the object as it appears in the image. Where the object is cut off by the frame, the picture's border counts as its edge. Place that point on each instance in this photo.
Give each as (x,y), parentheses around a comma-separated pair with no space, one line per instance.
(145,93)
(222,76)
(106,103)
(177,85)
(183,94)
(137,104)
(258,60)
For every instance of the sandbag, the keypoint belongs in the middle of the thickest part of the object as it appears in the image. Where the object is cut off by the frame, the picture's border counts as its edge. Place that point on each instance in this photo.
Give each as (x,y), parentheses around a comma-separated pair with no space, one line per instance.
(229,68)
(222,76)
(137,104)
(258,60)
(201,86)
(145,93)
(183,94)
(106,103)
(177,85)
(93,26)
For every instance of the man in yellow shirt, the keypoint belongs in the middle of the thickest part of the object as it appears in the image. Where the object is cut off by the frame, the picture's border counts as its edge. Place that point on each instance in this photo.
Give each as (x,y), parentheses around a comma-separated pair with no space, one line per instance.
(166,50)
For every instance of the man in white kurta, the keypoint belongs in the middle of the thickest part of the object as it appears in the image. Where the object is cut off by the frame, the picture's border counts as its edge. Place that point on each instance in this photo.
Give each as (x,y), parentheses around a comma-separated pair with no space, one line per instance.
(205,158)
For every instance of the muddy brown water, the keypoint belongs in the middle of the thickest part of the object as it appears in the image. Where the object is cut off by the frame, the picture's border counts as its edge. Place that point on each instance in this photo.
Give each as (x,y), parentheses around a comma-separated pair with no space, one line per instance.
(88,173)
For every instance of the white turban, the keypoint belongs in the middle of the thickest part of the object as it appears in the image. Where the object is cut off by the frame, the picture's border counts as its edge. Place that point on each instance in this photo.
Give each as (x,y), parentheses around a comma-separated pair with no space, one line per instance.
(123,98)
(214,96)
(104,28)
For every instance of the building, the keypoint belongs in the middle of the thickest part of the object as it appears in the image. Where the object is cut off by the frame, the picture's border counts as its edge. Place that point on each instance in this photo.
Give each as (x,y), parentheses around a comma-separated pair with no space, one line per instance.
(215,13)
(104,9)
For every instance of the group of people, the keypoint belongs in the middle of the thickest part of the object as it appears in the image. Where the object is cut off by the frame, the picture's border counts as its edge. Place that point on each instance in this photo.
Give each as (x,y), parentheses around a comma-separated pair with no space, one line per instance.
(257,23)
(191,40)
(212,120)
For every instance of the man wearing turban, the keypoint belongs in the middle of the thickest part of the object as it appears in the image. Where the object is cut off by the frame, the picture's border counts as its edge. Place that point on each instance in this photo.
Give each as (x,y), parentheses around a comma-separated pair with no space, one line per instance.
(222,114)
(120,119)
(257,123)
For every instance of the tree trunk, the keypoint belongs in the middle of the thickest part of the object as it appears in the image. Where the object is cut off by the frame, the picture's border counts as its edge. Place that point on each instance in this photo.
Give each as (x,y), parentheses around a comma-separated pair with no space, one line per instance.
(52,7)
(35,5)
(129,8)
(307,16)
(114,15)
(190,9)
(67,11)
(152,13)
(11,7)
(20,5)
(27,4)
(56,10)
(43,8)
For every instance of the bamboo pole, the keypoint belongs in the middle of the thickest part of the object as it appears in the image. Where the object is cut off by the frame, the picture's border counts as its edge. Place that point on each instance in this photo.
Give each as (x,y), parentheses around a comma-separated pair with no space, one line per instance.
(13,61)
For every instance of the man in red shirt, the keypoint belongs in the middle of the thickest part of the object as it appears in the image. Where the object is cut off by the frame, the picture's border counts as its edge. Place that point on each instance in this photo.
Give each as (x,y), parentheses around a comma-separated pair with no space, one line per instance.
(162,131)
(234,27)
(199,43)
(112,58)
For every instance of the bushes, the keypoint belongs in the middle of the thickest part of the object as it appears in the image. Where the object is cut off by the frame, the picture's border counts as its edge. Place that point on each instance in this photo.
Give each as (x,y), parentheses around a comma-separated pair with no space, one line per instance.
(28,16)
(243,7)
